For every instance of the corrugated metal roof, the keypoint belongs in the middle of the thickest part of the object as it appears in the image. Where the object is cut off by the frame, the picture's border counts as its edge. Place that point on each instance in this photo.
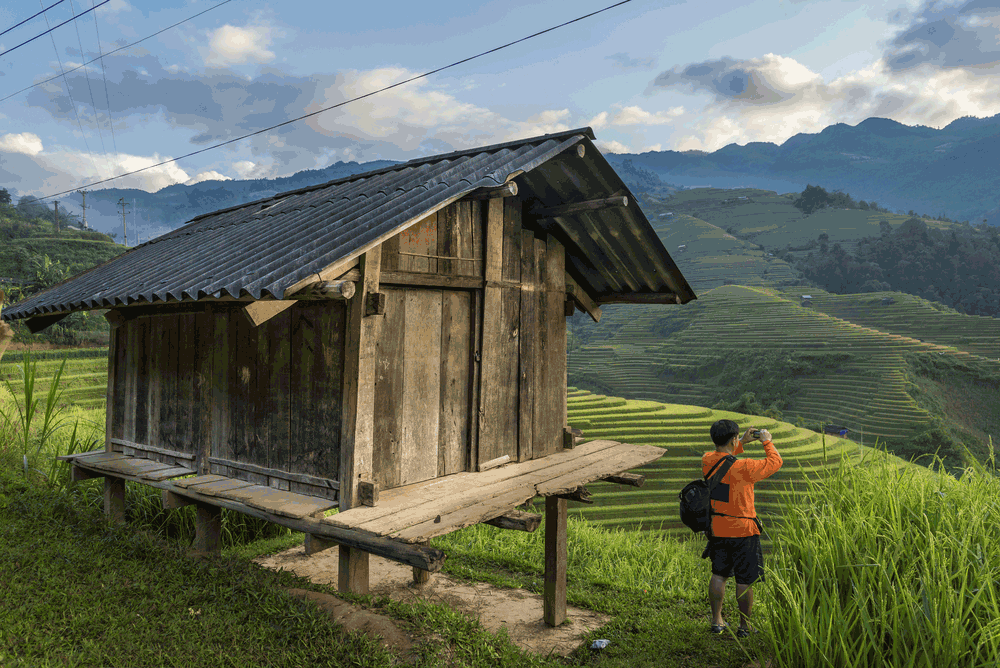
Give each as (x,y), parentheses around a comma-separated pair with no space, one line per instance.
(262,248)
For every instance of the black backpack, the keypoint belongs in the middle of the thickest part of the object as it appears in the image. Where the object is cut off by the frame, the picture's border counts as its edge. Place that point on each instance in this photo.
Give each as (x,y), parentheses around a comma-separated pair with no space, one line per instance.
(696,505)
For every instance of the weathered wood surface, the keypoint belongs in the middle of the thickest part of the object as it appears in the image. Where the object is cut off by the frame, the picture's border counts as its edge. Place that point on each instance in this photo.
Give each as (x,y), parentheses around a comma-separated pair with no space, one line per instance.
(419,240)
(217,487)
(278,502)
(106,456)
(114,499)
(554,591)
(550,397)
(630,479)
(456,339)
(422,556)
(143,450)
(260,312)
(421,386)
(517,520)
(528,347)
(134,466)
(166,474)
(200,480)
(388,369)
(409,513)
(356,442)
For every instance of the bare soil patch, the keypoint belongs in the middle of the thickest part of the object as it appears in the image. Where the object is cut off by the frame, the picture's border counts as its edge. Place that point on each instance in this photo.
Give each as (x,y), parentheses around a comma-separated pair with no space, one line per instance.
(518,611)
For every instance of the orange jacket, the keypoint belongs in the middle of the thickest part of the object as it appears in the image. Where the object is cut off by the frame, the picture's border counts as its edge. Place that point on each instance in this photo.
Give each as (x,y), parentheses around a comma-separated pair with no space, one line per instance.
(740,478)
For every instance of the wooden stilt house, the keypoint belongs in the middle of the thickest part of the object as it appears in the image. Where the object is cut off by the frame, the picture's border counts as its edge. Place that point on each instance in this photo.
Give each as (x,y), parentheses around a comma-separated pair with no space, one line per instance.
(391,345)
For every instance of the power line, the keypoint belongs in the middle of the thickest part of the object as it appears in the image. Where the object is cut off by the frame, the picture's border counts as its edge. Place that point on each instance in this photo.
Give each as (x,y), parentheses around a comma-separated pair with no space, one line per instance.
(111,53)
(31,17)
(72,102)
(353,99)
(90,90)
(51,29)
(107,98)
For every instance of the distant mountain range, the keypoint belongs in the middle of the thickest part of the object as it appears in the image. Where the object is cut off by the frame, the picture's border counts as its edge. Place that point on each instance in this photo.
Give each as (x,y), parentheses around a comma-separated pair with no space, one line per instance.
(953,171)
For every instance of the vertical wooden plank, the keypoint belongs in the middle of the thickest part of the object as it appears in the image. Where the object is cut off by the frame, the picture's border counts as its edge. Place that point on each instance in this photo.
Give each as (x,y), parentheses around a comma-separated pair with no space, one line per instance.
(528,342)
(456,341)
(131,372)
(554,390)
(511,239)
(221,423)
(461,239)
(277,411)
(389,365)
(554,596)
(187,353)
(421,385)
(316,378)
(446,240)
(201,427)
(477,218)
(491,392)
(390,254)
(541,431)
(362,333)
(141,380)
(112,426)
(475,364)
(154,353)
(168,360)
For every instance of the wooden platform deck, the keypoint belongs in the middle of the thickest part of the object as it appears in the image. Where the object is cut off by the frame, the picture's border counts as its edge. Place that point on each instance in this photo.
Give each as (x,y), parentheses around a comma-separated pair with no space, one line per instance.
(416,513)
(405,518)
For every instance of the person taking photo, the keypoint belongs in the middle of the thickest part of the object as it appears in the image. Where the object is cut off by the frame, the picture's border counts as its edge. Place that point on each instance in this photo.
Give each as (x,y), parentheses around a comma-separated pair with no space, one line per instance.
(734,536)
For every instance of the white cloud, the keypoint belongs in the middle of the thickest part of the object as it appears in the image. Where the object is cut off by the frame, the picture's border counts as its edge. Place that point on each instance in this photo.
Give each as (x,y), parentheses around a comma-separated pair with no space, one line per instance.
(245,168)
(612,146)
(638,116)
(232,45)
(23,142)
(210,175)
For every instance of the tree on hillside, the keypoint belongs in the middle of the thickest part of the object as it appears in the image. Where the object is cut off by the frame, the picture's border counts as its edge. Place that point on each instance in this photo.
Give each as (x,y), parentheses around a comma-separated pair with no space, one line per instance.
(4,196)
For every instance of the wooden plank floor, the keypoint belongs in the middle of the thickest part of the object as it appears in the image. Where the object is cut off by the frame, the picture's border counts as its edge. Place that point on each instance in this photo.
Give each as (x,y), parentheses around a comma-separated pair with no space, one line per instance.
(117,462)
(418,512)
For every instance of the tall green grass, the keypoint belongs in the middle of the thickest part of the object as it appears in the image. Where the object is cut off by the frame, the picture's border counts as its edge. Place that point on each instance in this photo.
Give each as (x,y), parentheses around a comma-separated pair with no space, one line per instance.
(889,565)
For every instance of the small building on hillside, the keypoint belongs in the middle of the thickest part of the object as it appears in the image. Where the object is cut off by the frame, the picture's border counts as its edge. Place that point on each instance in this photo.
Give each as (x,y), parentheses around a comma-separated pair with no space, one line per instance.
(806,300)
(682,248)
(886,301)
(391,345)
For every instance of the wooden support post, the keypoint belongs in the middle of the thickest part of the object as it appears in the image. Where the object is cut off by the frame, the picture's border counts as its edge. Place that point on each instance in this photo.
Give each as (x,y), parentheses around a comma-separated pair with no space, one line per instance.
(581,494)
(554,597)
(114,499)
(352,575)
(208,529)
(77,474)
(420,576)
(173,501)
(580,207)
(358,409)
(316,544)
(631,479)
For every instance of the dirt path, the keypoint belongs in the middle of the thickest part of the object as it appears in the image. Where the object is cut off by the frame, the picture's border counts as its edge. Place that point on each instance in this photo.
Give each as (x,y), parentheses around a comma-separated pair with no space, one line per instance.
(516,610)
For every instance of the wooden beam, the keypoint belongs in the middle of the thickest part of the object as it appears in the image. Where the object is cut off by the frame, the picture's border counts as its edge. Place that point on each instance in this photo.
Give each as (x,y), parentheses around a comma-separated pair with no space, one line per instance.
(77,474)
(426,557)
(358,413)
(341,289)
(368,493)
(642,298)
(579,207)
(517,520)
(554,593)
(581,494)
(260,312)
(314,544)
(582,299)
(173,501)
(508,189)
(631,479)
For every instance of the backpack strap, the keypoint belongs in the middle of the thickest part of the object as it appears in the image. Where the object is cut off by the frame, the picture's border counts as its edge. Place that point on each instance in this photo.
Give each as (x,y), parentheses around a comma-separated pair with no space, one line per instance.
(728,462)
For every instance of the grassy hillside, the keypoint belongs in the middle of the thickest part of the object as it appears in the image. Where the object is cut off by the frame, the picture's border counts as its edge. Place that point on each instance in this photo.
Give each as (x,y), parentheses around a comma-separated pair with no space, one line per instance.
(807,366)
(683,432)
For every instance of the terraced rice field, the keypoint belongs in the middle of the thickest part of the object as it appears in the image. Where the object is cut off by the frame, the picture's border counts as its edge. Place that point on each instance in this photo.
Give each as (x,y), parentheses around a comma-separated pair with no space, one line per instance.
(664,353)
(684,432)
(911,316)
(84,381)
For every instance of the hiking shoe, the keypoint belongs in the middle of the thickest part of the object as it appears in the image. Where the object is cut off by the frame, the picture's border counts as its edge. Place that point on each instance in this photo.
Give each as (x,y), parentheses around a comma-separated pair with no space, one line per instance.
(719,628)
(743,633)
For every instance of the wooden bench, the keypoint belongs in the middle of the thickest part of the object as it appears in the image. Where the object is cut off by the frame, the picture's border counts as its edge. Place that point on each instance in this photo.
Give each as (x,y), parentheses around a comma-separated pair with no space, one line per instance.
(403,519)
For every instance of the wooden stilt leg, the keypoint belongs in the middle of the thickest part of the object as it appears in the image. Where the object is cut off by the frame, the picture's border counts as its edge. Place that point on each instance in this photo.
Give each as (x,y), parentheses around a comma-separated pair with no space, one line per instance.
(554,598)
(352,575)
(316,544)
(420,576)
(208,529)
(114,499)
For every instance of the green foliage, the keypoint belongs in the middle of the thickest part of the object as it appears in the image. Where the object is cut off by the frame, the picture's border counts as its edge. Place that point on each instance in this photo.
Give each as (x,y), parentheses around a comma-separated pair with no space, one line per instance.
(888,566)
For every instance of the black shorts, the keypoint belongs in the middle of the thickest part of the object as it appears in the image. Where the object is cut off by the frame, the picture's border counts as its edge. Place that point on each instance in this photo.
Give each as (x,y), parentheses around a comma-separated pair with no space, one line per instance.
(741,557)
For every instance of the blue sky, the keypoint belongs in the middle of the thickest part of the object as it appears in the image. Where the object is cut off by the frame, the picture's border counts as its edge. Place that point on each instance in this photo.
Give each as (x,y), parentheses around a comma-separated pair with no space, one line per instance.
(646,76)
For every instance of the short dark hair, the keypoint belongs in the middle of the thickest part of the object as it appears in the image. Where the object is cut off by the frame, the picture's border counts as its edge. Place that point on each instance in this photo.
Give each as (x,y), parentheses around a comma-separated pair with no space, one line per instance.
(722,431)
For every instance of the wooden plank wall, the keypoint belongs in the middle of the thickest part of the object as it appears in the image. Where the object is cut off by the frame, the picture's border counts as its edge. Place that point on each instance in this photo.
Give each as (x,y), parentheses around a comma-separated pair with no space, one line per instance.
(453,236)
(208,389)
(422,385)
